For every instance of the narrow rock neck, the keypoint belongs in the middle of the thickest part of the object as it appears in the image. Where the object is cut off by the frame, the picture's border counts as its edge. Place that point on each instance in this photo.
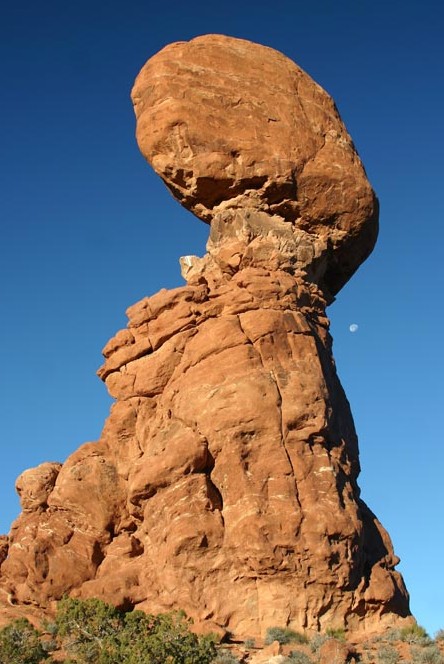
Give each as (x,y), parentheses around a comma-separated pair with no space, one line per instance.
(270,258)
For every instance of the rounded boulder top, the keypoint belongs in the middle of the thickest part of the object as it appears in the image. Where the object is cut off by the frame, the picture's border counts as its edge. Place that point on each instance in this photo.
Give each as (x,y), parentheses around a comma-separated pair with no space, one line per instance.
(230,124)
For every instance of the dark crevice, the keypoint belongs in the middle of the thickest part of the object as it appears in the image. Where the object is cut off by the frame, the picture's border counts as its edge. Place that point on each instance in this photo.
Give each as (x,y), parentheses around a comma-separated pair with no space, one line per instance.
(126,605)
(97,554)
(274,379)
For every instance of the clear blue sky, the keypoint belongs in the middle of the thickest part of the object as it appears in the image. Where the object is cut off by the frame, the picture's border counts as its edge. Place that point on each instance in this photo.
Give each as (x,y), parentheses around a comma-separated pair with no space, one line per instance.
(87,229)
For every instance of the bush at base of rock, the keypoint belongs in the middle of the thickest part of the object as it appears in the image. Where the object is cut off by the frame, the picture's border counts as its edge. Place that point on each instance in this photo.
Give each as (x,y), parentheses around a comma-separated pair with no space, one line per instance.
(427,655)
(225,657)
(388,655)
(317,641)
(284,635)
(335,633)
(414,634)
(93,632)
(20,644)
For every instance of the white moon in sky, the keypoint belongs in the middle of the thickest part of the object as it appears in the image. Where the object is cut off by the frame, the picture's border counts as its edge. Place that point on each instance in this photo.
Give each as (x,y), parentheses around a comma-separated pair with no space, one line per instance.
(353,327)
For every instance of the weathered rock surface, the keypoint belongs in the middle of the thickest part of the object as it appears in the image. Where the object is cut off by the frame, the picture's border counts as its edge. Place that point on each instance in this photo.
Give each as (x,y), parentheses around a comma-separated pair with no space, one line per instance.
(336,652)
(225,479)
(229,124)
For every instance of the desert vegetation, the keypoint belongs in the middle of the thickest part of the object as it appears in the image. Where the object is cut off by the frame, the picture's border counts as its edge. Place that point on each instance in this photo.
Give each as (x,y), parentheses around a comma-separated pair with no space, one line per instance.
(93,632)
(284,635)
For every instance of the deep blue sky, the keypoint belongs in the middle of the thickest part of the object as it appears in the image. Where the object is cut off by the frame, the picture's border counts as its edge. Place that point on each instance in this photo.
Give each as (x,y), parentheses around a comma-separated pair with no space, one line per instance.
(87,229)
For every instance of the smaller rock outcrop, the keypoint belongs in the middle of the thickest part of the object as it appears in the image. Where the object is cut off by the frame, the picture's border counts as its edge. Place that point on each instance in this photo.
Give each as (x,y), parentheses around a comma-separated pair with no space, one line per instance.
(35,485)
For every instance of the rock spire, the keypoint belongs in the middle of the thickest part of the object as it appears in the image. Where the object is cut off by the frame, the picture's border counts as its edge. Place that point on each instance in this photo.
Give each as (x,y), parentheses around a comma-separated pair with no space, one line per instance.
(225,479)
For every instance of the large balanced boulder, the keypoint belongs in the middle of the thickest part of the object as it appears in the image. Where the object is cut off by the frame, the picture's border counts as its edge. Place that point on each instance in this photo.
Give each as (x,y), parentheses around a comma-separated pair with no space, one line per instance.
(229,125)
(225,479)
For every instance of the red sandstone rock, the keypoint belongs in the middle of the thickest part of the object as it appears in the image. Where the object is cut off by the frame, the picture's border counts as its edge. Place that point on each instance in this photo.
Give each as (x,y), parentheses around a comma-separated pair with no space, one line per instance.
(269,654)
(336,652)
(34,486)
(4,545)
(225,479)
(231,125)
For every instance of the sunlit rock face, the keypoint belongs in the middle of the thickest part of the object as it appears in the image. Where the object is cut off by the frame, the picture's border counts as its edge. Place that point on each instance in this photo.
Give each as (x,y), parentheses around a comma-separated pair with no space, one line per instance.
(230,125)
(225,479)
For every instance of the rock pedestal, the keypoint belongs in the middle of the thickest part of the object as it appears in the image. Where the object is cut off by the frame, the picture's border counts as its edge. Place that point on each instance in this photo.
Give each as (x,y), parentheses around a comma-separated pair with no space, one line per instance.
(225,479)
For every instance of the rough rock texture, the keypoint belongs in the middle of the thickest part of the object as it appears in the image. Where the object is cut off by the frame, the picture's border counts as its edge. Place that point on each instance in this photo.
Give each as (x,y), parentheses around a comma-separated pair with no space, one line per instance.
(229,124)
(225,479)
(336,652)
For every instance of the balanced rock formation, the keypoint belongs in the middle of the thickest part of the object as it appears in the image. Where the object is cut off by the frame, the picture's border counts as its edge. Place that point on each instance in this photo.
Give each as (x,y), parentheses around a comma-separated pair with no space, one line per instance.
(225,479)
(231,125)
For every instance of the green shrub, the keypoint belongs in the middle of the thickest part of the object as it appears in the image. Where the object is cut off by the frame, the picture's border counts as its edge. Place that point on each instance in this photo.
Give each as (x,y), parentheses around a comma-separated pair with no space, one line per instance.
(162,638)
(336,633)
(317,641)
(88,629)
(20,644)
(391,635)
(426,655)
(414,634)
(388,655)
(284,635)
(250,643)
(93,632)
(439,636)
(224,656)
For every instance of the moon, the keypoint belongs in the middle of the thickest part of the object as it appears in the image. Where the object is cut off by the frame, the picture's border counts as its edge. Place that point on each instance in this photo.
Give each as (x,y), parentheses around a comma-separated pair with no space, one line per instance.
(353,327)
